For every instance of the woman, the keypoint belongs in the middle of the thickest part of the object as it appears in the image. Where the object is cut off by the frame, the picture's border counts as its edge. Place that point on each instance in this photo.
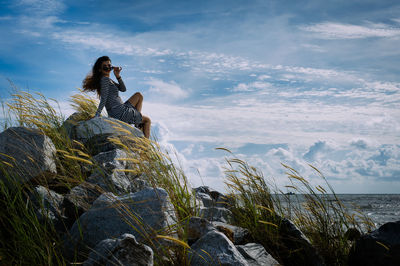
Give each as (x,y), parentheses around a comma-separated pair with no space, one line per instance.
(130,111)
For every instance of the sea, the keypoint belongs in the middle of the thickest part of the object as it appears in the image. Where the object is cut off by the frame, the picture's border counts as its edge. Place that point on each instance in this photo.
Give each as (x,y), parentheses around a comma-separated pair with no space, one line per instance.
(380,208)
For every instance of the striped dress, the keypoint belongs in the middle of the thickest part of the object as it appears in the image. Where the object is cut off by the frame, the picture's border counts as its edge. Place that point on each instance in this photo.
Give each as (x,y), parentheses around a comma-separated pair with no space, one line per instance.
(115,107)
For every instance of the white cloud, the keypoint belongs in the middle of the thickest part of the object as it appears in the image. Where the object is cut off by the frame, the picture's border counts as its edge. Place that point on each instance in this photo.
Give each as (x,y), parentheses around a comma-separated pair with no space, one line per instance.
(41,7)
(109,42)
(263,77)
(253,86)
(166,91)
(332,30)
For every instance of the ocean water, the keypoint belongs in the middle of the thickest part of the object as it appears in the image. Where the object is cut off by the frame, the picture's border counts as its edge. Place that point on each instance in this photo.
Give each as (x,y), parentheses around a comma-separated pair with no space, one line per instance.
(380,208)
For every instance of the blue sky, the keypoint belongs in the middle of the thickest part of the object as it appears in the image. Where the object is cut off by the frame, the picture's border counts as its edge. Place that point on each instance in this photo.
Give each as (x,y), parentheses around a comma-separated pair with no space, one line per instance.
(292,82)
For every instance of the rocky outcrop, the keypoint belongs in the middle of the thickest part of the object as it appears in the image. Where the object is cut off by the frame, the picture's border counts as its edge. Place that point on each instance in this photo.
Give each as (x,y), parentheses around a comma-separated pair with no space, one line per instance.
(141,214)
(95,133)
(27,154)
(380,247)
(122,251)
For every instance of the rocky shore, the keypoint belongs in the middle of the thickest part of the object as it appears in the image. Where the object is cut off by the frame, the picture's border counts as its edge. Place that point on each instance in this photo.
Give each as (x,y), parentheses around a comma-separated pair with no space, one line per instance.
(109,218)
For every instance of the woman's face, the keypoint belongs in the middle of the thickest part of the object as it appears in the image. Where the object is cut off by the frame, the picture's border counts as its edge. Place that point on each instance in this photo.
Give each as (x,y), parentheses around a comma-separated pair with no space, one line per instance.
(105,68)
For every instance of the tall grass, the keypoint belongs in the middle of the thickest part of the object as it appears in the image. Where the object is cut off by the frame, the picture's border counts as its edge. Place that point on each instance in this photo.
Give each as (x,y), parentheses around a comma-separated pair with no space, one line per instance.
(317,211)
(149,161)
(24,239)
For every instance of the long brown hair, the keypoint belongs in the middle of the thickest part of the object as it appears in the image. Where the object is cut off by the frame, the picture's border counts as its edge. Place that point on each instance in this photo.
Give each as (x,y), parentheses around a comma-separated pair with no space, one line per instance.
(92,80)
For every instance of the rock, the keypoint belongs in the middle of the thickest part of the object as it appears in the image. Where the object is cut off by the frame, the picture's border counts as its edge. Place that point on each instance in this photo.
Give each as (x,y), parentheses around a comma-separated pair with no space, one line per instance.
(139,183)
(70,123)
(380,247)
(80,199)
(223,201)
(122,251)
(205,199)
(216,214)
(47,205)
(298,248)
(202,189)
(95,133)
(198,227)
(110,160)
(256,255)
(212,198)
(116,182)
(33,154)
(214,248)
(146,212)
(239,235)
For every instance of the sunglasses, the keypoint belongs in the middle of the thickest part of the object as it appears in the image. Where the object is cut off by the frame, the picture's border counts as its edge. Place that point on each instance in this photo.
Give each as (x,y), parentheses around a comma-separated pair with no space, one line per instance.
(108,67)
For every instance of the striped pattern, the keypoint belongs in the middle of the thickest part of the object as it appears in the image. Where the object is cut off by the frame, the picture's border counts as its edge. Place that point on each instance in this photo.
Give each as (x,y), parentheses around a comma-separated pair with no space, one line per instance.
(115,107)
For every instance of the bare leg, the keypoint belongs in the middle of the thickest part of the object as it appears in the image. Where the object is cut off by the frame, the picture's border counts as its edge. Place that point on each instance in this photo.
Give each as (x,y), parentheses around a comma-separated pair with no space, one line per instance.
(136,100)
(146,126)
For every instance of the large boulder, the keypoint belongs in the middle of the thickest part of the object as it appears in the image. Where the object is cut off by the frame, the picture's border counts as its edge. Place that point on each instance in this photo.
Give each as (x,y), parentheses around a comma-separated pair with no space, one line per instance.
(121,251)
(116,182)
(142,214)
(256,255)
(198,227)
(216,214)
(297,249)
(80,199)
(48,206)
(111,160)
(214,248)
(95,133)
(380,247)
(27,154)
(240,235)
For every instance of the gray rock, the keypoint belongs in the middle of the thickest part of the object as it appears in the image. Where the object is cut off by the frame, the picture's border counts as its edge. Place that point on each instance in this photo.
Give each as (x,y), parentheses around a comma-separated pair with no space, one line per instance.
(109,160)
(116,182)
(214,248)
(380,247)
(80,199)
(47,205)
(146,212)
(33,153)
(239,235)
(216,214)
(198,227)
(205,199)
(139,184)
(298,248)
(122,251)
(223,201)
(256,255)
(70,124)
(94,133)
(202,189)
(212,198)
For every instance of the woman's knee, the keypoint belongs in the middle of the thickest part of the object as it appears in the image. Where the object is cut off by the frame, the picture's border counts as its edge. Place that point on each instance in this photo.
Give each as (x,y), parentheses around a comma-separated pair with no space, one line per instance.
(138,95)
(146,119)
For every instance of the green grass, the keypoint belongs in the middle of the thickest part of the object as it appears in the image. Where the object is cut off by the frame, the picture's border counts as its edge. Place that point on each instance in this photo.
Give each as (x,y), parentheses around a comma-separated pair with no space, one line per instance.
(256,206)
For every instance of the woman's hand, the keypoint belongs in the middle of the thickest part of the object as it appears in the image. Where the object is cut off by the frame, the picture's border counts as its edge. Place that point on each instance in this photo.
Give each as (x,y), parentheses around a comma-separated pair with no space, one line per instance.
(117,70)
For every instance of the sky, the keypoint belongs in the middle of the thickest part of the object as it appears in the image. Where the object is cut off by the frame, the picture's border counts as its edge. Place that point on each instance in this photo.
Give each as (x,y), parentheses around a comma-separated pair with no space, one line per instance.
(276,82)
